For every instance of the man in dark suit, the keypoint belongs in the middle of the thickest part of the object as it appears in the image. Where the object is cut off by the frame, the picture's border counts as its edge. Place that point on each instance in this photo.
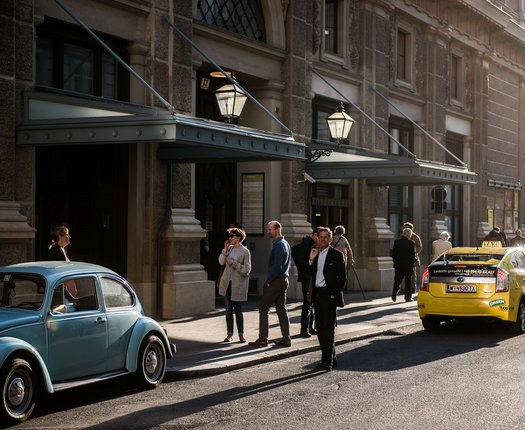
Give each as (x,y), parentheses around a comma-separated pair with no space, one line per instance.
(404,256)
(300,255)
(328,282)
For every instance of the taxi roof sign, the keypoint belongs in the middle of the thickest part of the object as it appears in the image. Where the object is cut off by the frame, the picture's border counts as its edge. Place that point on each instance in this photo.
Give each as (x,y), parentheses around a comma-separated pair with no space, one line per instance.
(491,244)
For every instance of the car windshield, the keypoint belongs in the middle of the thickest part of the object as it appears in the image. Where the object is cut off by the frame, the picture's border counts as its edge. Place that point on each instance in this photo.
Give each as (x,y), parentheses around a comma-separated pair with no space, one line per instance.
(22,291)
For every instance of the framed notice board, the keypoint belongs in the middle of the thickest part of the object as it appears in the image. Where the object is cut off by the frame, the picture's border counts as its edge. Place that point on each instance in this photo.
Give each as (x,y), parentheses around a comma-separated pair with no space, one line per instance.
(252,205)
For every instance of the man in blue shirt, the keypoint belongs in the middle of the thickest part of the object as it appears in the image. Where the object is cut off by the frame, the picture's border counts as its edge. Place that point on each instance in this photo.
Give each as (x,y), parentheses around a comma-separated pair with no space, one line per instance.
(275,288)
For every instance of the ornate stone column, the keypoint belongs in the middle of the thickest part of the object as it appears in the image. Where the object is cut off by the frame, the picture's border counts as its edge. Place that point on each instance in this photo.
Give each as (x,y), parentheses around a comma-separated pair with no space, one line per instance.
(186,289)
(378,274)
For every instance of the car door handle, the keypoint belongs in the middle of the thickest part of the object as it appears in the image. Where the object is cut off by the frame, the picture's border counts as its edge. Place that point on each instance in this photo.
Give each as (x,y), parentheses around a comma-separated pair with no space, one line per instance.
(100,320)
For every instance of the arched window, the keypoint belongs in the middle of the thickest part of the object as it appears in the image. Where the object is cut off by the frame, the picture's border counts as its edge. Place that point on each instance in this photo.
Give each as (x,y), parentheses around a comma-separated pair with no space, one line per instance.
(244,17)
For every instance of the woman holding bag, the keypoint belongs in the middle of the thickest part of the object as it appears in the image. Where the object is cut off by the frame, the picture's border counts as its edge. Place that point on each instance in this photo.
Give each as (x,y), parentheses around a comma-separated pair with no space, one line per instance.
(233,285)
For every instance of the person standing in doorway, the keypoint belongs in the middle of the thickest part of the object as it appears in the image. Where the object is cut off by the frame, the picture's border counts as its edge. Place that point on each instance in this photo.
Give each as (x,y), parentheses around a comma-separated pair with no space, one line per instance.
(404,256)
(275,288)
(328,282)
(60,240)
(233,286)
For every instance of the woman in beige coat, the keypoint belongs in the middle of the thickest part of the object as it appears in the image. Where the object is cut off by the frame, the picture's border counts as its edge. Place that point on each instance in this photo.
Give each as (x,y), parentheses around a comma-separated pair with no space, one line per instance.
(236,259)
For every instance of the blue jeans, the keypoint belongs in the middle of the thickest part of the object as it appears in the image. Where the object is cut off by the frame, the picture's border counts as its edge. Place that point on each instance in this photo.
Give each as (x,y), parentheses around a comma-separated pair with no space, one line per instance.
(307,311)
(232,307)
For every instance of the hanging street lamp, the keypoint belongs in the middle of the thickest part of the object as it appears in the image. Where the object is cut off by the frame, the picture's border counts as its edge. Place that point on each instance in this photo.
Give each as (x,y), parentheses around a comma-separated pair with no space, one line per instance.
(231,99)
(340,124)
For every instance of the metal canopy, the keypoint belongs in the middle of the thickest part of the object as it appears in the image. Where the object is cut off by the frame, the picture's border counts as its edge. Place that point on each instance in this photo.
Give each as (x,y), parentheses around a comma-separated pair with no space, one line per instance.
(180,137)
(380,169)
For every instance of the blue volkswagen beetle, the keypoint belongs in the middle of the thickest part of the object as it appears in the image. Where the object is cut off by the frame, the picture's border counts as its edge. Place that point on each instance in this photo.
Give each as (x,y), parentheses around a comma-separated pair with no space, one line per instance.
(65,324)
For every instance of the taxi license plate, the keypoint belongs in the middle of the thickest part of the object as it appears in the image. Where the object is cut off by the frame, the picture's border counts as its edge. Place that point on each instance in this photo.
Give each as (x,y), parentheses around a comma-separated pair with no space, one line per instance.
(461,288)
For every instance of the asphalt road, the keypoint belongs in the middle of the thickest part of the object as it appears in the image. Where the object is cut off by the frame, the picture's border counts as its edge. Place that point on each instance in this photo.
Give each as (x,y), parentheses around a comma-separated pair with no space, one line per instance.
(462,377)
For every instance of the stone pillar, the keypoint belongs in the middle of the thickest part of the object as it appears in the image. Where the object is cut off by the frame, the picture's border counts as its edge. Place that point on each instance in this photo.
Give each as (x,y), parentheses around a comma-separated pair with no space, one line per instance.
(378,275)
(185,286)
(16,235)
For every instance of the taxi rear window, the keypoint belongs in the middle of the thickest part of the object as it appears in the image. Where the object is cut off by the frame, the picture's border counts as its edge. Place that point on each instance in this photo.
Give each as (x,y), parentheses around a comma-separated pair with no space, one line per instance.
(477,258)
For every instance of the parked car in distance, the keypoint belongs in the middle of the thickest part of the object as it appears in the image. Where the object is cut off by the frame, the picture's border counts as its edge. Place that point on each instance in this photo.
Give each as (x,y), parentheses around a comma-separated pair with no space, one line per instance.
(65,324)
(488,281)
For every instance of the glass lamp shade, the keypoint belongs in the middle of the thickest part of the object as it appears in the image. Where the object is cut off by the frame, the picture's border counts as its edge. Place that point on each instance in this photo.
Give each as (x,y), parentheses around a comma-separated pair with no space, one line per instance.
(339,124)
(231,99)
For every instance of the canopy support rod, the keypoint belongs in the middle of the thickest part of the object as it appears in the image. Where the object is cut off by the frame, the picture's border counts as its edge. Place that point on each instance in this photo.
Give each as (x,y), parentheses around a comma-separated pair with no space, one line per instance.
(418,126)
(362,112)
(116,57)
(226,75)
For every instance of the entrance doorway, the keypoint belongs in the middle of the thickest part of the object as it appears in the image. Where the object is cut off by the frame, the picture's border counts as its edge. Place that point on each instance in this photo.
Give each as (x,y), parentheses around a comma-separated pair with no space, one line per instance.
(85,187)
(216,206)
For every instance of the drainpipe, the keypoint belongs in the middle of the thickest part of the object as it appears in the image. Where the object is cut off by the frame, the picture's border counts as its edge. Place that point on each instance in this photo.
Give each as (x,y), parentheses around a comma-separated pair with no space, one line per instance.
(160,241)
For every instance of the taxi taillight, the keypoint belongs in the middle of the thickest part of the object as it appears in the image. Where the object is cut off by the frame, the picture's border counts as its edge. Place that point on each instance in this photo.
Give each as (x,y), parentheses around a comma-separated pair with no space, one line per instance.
(502,281)
(424,281)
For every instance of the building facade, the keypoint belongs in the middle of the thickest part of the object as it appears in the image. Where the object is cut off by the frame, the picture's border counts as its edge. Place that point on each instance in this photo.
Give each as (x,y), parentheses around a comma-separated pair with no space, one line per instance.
(110,123)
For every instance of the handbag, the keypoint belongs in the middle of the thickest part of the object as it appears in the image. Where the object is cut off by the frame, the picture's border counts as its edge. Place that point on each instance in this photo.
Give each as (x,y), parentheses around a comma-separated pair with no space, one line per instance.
(219,276)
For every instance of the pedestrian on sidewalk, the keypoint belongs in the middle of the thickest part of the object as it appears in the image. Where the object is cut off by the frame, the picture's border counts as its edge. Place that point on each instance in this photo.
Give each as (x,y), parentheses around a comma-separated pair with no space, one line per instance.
(275,287)
(441,245)
(404,256)
(301,255)
(329,277)
(419,247)
(517,240)
(340,243)
(236,259)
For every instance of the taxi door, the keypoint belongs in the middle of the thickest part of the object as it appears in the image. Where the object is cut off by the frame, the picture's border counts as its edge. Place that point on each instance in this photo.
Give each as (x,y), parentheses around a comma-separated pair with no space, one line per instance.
(516,282)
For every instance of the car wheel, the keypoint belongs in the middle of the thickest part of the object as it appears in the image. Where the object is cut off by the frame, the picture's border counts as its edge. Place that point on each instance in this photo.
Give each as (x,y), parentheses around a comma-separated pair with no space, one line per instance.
(19,389)
(519,326)
(430,323)
(151,363)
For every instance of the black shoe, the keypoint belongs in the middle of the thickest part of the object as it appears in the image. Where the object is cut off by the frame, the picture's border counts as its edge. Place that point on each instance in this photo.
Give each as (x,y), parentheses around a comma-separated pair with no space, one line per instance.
(305,334)
(394,297)
(323,366)
(313,331)
(286,343)
(409,299)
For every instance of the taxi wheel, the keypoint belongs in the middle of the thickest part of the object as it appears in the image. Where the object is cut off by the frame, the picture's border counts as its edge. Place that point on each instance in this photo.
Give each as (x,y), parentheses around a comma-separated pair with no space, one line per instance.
(151,363)
(19,390)
(519,325)
(430,323)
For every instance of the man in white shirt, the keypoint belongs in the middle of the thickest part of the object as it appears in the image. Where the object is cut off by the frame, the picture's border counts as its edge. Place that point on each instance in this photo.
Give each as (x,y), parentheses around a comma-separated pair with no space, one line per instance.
(329,280)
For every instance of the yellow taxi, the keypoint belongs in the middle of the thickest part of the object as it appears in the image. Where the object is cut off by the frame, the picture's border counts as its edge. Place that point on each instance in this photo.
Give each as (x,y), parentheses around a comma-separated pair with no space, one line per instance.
(488,281)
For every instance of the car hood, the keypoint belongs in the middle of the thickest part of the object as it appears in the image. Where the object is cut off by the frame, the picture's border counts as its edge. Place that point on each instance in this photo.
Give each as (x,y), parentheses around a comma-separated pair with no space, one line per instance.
(10,318)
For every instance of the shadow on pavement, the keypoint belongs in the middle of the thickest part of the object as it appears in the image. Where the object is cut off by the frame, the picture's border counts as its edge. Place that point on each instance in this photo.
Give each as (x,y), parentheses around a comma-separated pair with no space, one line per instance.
(394,350)
(159,415)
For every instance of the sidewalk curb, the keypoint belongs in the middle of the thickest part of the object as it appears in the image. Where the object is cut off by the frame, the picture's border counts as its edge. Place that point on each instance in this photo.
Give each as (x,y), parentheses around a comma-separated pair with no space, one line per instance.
(178,373)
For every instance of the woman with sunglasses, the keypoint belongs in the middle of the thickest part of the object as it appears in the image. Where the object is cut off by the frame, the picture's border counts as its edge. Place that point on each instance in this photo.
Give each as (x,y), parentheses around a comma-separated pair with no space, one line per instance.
(233,285)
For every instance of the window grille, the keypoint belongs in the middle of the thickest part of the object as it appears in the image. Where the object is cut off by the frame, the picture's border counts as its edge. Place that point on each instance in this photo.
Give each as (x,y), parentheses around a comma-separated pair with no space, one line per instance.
(242,17)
